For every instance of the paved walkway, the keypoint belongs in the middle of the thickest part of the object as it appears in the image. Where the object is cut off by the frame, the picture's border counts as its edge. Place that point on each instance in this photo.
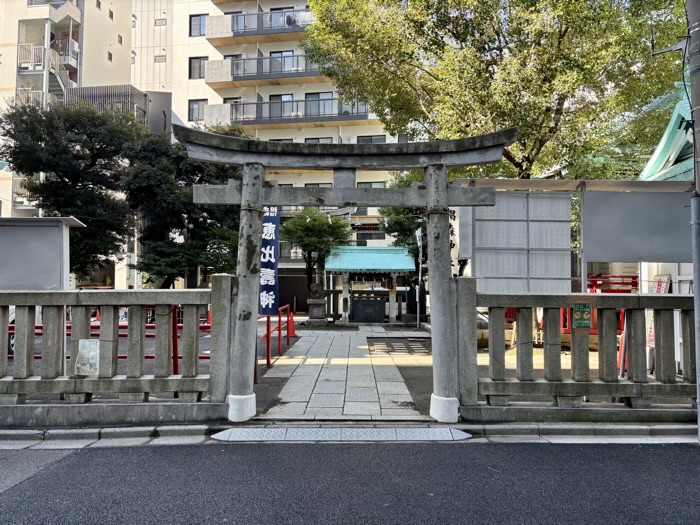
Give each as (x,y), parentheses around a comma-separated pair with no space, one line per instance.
(333,373)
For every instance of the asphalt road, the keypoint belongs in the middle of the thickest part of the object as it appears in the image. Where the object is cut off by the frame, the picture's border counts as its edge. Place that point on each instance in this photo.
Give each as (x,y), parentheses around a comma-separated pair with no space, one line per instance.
(384,484)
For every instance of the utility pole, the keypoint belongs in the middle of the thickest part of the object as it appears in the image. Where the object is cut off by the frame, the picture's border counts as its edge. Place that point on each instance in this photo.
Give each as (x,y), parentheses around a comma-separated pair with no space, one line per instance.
(693,7)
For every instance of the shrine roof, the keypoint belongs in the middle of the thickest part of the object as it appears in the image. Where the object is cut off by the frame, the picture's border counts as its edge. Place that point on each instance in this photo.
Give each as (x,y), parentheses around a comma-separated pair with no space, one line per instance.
(370,259)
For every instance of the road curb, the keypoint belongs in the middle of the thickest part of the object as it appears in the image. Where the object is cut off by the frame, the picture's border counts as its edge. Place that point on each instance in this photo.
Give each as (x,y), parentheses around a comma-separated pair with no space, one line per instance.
(476,430)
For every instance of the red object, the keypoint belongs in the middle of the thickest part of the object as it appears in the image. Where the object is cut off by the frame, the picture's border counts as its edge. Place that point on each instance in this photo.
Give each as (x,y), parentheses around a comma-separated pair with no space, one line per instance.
(613,284)
(269,342)
(176,347)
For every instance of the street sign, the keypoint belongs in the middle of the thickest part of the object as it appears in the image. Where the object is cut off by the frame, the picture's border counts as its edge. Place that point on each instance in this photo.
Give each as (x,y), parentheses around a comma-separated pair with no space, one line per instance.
(583,315)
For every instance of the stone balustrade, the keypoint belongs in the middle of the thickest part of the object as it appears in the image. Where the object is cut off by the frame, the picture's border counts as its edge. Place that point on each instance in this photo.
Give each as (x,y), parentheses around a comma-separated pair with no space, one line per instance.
(550,392)
(59,383)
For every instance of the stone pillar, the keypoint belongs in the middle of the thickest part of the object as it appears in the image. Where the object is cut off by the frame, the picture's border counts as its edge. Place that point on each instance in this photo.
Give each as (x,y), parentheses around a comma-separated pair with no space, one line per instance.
(444,402)
(392,299)
(345,301)
(241,399)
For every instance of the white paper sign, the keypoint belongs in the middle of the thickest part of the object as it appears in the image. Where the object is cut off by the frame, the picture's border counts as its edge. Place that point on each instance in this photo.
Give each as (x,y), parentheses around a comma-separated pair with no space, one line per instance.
(88,360)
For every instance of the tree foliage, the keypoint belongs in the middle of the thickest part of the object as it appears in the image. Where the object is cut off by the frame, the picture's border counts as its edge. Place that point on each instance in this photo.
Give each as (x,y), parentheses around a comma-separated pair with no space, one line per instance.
(315,234)
(177,235)
(112,174)
(83,156)
(567,73)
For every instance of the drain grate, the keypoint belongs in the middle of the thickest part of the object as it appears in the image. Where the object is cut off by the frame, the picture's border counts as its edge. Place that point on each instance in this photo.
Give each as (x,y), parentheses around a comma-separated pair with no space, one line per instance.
(400,346)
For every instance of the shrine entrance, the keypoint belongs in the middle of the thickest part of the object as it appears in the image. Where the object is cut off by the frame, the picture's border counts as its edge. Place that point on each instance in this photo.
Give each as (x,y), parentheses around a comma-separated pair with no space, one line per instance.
(253,192)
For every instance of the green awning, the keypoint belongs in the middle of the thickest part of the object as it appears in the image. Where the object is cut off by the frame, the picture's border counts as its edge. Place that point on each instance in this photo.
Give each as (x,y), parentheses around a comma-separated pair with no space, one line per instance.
(370,259)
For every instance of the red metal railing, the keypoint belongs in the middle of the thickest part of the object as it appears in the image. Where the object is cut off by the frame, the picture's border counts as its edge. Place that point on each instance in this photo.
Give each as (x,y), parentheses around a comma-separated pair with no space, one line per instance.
(613,284)
(280,325)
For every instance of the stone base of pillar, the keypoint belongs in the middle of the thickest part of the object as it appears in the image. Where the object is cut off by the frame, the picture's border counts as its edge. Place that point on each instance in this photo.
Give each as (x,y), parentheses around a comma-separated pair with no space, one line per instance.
(13,399)
(241,408)
(568,401)
(78,399)
(125,397)
(637,402)
(444,409)
(497,401)
(189,397)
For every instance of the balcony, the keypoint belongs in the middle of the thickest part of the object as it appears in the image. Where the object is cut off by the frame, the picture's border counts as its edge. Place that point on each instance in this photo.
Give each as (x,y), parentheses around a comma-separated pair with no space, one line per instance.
(262,71)
(36,98)
(69,52)
(275,26)
(21,198)
(290,114)
(56,10)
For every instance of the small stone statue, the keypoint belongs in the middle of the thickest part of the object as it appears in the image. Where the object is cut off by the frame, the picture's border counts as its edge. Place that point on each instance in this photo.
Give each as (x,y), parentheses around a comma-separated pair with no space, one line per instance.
(317,291)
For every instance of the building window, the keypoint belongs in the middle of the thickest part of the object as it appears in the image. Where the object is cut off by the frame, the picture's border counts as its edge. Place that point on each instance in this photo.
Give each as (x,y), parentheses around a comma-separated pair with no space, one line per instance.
(320,104)
(318,185)
(198,25)
(109,56)
(363,237)
(236,107)
(159,59)
(372,139)
(282,106)
(161,22)
(281,140)
(198,67)
(133,60)
(111,14)
(196,110)
(320,140)
(98,4)
(120,40)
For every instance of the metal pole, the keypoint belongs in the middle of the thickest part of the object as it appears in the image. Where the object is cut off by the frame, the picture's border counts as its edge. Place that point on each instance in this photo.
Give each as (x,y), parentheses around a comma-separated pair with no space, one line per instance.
(693,7)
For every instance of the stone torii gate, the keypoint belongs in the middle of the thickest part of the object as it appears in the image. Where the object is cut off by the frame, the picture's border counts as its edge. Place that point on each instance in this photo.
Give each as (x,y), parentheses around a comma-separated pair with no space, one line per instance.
(344,159)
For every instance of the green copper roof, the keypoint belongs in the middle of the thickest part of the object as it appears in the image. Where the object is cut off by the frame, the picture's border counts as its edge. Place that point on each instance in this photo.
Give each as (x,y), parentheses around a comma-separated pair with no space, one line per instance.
(370,259)
(669,160)
(3,165)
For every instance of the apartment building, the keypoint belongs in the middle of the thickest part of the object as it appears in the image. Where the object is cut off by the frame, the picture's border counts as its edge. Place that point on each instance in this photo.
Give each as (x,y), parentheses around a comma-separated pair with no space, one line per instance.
(240,61)
(62,51)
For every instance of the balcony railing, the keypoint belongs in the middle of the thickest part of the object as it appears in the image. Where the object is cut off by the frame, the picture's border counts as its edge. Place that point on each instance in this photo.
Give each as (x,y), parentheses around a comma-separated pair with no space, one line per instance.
(19,191)
(30,56)
(53,3)
(272,67)
(267,22)
(296,110)
(31,97)
(66,47)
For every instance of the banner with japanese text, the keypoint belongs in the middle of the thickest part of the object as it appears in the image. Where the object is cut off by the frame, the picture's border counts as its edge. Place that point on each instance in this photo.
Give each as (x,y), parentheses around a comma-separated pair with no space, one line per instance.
(269,289)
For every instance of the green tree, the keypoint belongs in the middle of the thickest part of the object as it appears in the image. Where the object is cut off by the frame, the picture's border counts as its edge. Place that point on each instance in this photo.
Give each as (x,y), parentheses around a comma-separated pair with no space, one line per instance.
(315,234)
(567,73)
(177,235)
(82,154)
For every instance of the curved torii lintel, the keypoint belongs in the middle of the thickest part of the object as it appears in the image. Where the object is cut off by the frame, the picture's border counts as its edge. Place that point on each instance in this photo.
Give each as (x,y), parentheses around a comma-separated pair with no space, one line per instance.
(221,149)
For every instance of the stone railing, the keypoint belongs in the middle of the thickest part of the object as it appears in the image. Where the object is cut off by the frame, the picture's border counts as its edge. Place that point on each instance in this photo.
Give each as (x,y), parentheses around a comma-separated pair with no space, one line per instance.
(542,389)
(146,379)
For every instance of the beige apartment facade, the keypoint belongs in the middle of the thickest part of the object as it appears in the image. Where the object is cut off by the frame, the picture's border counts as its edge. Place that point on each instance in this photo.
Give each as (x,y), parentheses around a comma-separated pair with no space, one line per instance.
(52,52)
(241,62)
